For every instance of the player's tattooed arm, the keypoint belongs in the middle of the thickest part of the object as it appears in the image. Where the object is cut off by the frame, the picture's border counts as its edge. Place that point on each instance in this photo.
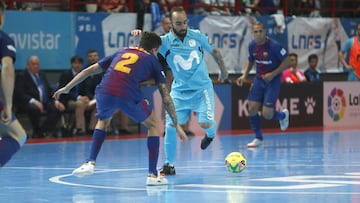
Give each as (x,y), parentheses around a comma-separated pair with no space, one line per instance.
(168,102)
(219,60)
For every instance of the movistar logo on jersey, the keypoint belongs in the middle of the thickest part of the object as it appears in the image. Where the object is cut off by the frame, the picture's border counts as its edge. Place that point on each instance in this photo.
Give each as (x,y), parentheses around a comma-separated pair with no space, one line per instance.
(186,64)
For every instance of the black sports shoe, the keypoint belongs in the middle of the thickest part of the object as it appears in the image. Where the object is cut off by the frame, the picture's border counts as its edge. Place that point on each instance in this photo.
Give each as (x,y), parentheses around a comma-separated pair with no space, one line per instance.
(205,142)
(167,170)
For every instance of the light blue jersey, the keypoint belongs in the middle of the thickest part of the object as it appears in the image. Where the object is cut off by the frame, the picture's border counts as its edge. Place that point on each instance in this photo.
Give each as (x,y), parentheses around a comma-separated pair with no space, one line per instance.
(186,60)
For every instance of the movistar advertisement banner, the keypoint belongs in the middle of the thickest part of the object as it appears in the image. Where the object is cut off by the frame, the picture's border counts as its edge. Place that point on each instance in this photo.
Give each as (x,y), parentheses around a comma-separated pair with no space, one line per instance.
(56,36)
(49,35)
(341,104)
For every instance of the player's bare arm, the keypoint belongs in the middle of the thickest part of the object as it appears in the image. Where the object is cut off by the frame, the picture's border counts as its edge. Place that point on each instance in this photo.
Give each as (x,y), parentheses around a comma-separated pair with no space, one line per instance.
(7,85)
(167,101)
(244,77)
(343,61)
(219,60)
(284,64)
(170,109)
(91,70)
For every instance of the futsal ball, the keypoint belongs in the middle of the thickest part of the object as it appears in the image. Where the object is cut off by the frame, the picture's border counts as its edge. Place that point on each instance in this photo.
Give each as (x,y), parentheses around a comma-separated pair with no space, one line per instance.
(235,162)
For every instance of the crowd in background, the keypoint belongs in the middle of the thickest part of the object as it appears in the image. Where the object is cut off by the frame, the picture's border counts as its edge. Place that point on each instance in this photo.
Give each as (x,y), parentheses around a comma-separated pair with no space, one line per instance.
(33,96)
(308,8)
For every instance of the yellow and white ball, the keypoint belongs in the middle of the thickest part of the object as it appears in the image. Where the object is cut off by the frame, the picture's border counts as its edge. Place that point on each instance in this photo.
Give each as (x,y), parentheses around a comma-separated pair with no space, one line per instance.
(235,162)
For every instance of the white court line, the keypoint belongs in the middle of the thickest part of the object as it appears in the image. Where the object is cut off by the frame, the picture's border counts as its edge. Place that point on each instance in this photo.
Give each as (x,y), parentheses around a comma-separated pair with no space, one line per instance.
(224,188)
(272,189)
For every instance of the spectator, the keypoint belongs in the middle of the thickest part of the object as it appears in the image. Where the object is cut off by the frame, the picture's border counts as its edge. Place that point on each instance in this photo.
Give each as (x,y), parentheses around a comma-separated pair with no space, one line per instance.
(33,95)
(352,47)
(72,101)
(309,8)
(165,26)
(198,7)
(293,74)
(311,73)
(87,89)
(32,6)
(114,6)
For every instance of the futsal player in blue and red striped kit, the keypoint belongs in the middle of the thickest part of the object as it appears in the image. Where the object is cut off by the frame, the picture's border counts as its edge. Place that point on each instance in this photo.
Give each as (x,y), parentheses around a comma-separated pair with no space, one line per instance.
(12,134)
(270,60)
(119,89)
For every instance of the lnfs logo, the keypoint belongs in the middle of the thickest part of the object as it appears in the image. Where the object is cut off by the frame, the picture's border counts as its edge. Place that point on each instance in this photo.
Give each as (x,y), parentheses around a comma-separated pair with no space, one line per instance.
(225,40)
(336,104)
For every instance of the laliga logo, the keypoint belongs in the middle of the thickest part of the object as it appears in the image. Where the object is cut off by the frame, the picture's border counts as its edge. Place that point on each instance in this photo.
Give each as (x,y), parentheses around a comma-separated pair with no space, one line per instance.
(336,104)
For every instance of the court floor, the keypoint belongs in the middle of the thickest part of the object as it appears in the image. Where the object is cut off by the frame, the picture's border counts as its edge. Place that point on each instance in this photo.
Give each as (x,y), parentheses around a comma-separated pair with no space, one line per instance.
(291,167)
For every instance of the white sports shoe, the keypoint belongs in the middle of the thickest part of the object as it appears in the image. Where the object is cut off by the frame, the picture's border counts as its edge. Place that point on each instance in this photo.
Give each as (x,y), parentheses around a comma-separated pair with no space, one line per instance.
(153,180)
(255,143)
(284,123)
(86,169)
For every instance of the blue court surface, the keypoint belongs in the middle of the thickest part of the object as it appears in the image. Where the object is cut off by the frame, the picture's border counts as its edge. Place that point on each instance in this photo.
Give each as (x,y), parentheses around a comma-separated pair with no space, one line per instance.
(291,167)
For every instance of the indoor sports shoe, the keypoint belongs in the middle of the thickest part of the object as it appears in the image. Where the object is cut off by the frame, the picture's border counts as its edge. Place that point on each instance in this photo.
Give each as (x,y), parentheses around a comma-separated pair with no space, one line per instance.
(205,142)
(255,143)
(86,169)
(167,170)
(284,123)
(153,180)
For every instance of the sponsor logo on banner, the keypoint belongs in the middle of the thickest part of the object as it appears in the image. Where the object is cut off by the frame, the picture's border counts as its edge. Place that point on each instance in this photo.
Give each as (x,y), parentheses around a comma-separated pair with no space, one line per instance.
(231,35)
(319,36)
(336,104)
(116,30)
(45,34)
(342,106)
(303,101)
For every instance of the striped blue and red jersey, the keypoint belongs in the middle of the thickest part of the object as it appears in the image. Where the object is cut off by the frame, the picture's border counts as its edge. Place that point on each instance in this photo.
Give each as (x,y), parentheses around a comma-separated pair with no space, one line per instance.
(126,69)
(266,57)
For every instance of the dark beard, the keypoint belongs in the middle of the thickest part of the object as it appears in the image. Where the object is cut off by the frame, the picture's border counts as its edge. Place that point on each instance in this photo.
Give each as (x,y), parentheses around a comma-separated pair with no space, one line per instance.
(180,35)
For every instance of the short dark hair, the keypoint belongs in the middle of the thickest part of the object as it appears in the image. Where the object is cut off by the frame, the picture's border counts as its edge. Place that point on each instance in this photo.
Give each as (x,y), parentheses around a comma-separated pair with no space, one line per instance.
(293,54)
(150,40)
(76,58)
(312,56)
(258,23)
(91,51)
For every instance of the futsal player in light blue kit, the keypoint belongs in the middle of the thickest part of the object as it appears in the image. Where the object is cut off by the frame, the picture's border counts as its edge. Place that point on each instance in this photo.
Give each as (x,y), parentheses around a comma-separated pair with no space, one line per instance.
(270,60)
(192,88)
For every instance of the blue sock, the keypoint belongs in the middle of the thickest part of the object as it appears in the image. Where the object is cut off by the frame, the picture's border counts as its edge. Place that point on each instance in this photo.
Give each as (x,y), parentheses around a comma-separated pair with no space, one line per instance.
(170,142)
(211,132)
(97,141)
(278,115)
(8,147)
(153,143)
(255,125)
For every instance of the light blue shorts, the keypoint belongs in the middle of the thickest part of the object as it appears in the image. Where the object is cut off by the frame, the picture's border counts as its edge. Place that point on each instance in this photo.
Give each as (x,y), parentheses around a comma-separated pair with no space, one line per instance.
(202,103)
